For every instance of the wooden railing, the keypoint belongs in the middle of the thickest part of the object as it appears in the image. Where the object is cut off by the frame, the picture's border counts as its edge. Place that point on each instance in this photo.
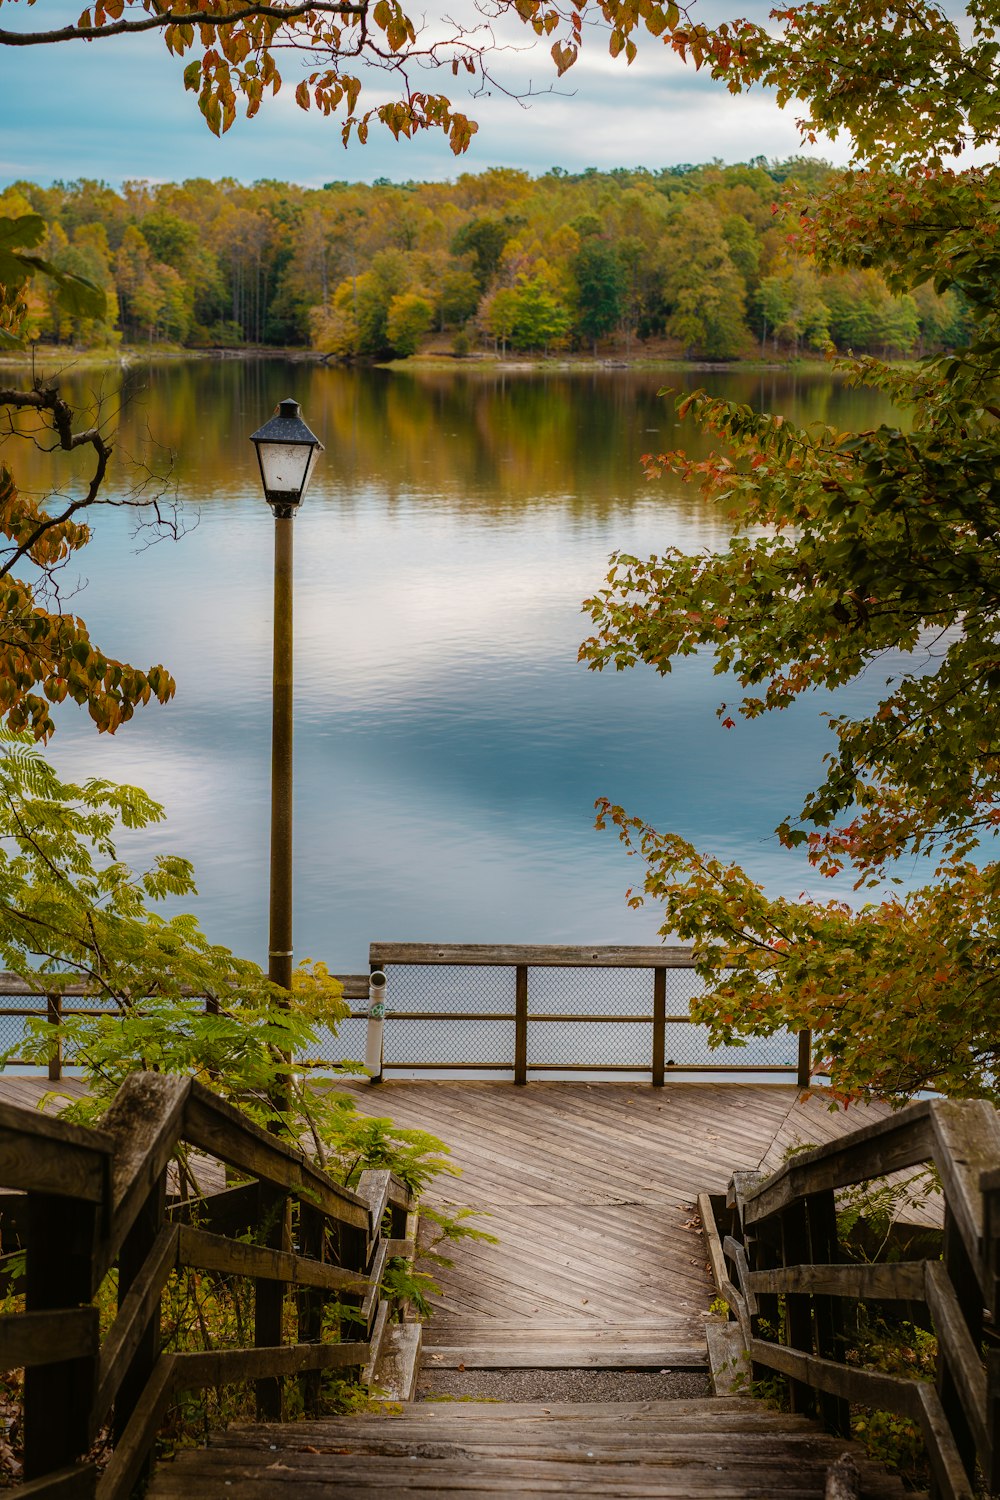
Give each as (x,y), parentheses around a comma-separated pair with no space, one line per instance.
(779,1265)
(502,1036)
(85,1201)
(406,1013)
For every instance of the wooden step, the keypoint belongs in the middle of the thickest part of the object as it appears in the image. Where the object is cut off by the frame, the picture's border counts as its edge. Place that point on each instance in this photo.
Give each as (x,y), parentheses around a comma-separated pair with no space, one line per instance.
(580,1354)
(680,1345)
(725,1448)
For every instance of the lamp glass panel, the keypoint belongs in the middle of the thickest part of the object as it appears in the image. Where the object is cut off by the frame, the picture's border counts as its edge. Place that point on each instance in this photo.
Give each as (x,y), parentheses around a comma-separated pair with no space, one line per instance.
(284,466)
(314,454)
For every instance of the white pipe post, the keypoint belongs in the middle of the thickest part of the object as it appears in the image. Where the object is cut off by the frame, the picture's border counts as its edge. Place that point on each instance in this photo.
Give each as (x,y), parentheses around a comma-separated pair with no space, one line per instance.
(375,1032)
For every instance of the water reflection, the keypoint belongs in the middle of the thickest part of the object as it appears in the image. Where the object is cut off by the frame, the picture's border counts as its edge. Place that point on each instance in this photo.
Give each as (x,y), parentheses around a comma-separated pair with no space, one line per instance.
(449,748)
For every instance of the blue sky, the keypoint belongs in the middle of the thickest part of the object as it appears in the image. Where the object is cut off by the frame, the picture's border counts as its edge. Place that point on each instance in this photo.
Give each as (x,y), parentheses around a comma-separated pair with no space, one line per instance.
(117,109)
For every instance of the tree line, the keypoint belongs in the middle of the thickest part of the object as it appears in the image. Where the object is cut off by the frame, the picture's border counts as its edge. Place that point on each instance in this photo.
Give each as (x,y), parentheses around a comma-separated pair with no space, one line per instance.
(694,261)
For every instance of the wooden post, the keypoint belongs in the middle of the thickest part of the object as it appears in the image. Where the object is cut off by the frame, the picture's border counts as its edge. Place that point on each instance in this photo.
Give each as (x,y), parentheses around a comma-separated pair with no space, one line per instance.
(312,1242)
(58,1398)
(351,1252)
(53,1006)
(131,1260)
(824,1249)
(798,1315)
(212,1009)
(965,1284)
(269,1297)
(521,1024)
(992,1475)
(804,1071)
(990,1183)
(761,1256)
(659,1026)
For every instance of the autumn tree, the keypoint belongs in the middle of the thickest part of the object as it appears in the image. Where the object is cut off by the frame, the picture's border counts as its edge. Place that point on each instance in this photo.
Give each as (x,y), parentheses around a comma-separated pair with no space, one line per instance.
(600,284)
(793,307)
(483,241)
(703,290)
(408,317)
(846,547)
(46,654)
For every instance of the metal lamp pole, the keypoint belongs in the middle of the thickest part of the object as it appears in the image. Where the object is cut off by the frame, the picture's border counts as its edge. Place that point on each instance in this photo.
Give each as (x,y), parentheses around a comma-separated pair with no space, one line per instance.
(279,945)
(287,453)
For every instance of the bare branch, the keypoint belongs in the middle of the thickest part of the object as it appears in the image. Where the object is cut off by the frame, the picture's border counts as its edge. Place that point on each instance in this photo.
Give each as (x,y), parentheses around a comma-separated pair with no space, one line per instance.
(46,398)
(179,18)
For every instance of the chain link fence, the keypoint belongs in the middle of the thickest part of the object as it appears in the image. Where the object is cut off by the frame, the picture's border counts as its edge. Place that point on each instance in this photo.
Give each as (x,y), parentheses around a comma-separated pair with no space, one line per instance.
(523,1016)
(506,1012)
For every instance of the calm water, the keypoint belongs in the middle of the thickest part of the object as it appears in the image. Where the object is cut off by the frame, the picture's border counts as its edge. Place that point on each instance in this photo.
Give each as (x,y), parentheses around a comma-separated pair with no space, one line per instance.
(449,748)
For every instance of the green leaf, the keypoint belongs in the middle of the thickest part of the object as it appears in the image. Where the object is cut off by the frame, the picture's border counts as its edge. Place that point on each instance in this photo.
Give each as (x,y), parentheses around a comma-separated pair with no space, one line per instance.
(26,230)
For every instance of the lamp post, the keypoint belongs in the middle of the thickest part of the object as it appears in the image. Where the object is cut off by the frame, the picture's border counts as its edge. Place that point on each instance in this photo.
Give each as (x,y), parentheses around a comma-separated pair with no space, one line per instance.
(287,453)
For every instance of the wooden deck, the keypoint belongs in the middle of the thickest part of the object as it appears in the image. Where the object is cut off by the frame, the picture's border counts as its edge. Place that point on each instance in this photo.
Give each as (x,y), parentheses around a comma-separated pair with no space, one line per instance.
(590,1191)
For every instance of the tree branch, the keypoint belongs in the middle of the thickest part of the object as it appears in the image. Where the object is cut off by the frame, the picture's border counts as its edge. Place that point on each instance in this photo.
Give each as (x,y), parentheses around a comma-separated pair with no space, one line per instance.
(179,18)
(46,398)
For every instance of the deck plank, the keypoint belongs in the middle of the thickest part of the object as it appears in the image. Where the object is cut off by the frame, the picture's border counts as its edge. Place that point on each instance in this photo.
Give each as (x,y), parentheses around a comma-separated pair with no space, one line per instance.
(590,1190)
(729,1449)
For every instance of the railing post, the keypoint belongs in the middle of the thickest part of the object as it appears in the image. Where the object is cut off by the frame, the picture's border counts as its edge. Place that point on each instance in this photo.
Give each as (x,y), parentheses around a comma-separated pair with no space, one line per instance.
(521,1024)
(53,1013)
(212,1009)
(824,1249)
(131,1261)
(269,1297)
(351,1250)
(312,1242)
(798,1314)
(761,1256)
(990,1185)
(965,1284)
(804,1071)
(375,1026)
(659,1026)
(992,1473)
(58,1398)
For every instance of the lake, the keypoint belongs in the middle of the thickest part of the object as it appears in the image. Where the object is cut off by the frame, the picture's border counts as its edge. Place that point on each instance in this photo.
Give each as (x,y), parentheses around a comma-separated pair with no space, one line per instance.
(449,748)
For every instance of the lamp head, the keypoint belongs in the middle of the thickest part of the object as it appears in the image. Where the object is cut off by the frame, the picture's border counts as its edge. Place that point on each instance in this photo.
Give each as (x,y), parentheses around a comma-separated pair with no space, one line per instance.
(287,453)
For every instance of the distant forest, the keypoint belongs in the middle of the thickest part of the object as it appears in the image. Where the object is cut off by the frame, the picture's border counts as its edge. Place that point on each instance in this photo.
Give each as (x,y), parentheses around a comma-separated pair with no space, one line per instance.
(692,261)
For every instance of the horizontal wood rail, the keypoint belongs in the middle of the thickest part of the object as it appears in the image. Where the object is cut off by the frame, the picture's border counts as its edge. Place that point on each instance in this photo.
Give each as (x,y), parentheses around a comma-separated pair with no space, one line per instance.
(86,1201)
(778,1263)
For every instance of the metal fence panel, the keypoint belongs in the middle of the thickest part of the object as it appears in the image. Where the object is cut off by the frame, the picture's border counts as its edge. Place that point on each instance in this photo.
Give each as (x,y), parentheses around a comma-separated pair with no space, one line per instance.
(449,1042)
(590,992)
(588,1044)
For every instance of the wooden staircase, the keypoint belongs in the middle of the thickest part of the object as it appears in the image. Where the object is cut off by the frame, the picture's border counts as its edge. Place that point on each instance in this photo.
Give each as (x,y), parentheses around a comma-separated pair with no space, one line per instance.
(729,1448)
(599,1267)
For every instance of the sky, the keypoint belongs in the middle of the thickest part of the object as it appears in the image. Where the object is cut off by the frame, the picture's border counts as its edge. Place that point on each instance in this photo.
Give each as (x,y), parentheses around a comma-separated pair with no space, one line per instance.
(117,109)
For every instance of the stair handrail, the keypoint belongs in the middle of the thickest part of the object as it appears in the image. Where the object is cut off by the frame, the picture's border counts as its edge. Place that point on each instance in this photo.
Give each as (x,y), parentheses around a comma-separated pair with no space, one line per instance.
(85,1200)
(788,1272)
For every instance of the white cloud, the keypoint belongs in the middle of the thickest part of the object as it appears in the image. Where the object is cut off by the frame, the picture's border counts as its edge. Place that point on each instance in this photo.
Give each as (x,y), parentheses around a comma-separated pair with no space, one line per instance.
(118,109)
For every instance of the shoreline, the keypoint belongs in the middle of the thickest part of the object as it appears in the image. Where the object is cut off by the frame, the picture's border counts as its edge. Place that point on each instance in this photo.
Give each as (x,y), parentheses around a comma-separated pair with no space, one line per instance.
(127,357)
